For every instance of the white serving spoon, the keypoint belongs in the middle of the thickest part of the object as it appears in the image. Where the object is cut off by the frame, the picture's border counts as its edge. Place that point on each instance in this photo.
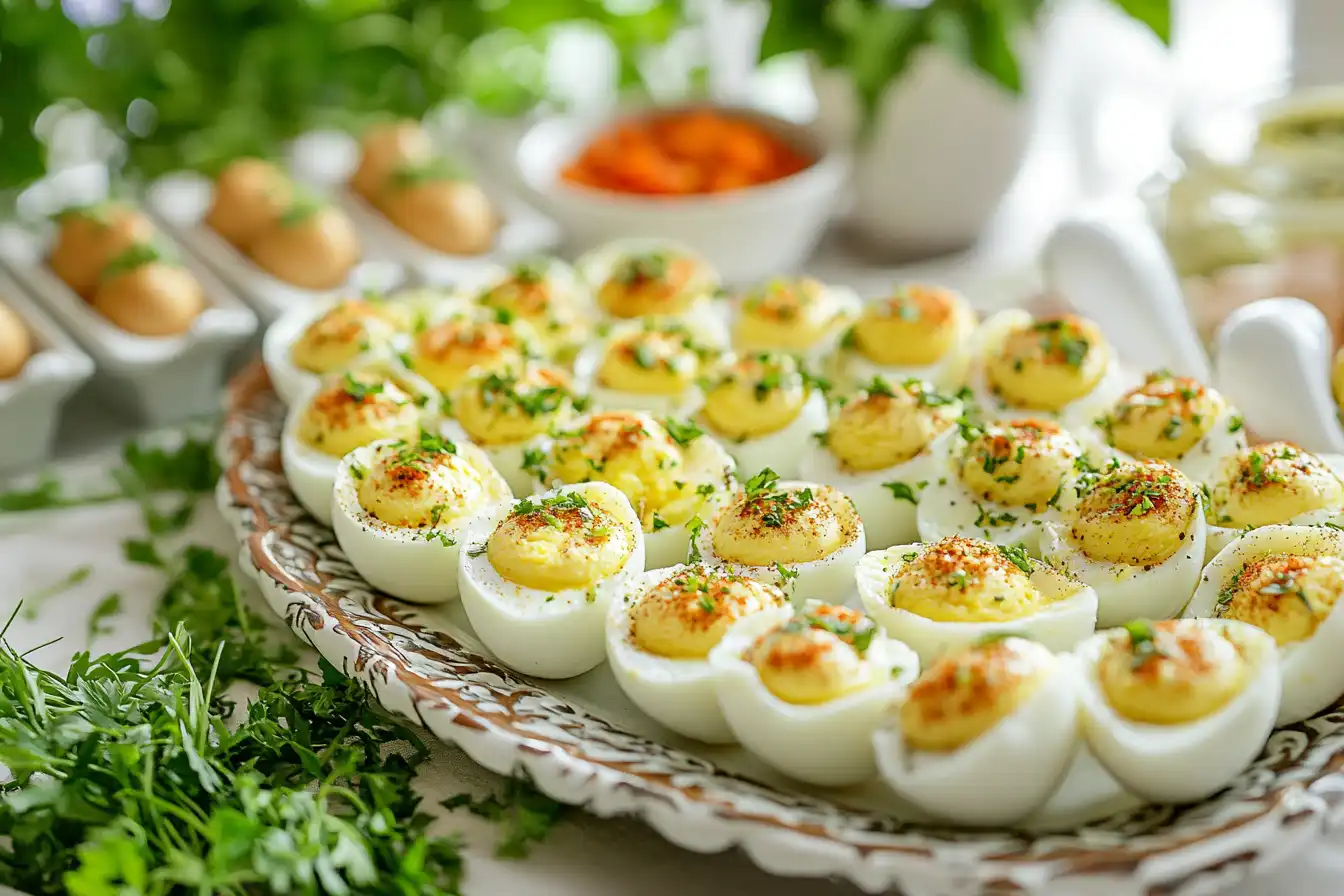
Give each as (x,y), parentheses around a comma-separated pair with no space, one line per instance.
(1113,268)
(1273,362)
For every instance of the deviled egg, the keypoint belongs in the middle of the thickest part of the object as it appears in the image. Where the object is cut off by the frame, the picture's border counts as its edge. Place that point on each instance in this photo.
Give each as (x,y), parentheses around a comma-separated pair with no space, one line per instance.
(345,412)
(1059,368)
(537,576)
(671,472)
(799,316)
(802,536)
(545,294)
(805,689)
(764,407)
(1286,581)
(399,509)
(959,591)
(1174,419)
(1269,484)
(449,352)
(503,411)
(986,733)
(876,450)
(648,366)
(302,347)
(660,631)
(1175,710)
(1000,483)
(1136,535)
(634,279)
(919,331)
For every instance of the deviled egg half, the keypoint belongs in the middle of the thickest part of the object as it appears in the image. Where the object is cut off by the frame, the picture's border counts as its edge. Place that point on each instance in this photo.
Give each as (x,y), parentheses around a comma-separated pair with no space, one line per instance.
(802,536)
(876,450)
(544,293)
(764,407)
(345,412)
(633,279)
(1269,484)
(660,630)
(503,411)
(307,344)
(1136,535)
(805,689)
(670,471)
(1286,581)
(919,331)
(1058,368)
(1000,483)
(957,592)
(651,365)
(985,735)
(799,316)
(537,576)
(450,351)
(1174,419)
(399,509)
(1176,709)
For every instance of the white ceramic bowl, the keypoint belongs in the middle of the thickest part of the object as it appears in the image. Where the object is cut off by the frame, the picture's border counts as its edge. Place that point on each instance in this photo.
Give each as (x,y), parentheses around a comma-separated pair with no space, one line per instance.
(30,402)
(747,234)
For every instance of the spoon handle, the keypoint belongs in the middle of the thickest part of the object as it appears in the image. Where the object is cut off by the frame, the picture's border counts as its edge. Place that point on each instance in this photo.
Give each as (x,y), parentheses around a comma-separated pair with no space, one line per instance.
(1114,270)
(1273,362)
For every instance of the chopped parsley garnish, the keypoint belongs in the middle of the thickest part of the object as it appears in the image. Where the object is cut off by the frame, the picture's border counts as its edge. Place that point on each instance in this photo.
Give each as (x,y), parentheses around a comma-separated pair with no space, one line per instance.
(641,267)
(901,492)
(683,432)
(1017,555)
(706,603)
(693,527)
(860,636)
(1236,423)
(659,524)
(547,507)
(879,386)
(995,637)
(361,391)
(1142,641)
(785,574)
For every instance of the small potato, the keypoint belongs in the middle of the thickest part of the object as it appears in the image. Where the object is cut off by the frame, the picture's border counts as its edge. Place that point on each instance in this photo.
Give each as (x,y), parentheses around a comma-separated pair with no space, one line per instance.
(385,148)
(144,294)
(250,195)
(16,344)
(311,246)
(88,238)
(450,216)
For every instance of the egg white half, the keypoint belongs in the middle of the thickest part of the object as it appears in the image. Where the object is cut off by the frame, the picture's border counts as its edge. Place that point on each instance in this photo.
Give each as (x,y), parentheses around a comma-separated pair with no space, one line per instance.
(781,450)
(678,693)
(1219,537)
(828,744)
(828,579)
(557,634)
(1004,774)
(1068,617)
(1189,762)
(888,514)
(990,337)
(1312,671)
(411,564)
(1127,591)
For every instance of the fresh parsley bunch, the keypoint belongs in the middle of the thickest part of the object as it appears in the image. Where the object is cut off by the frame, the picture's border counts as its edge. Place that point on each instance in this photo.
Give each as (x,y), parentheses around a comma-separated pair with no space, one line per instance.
(135,772)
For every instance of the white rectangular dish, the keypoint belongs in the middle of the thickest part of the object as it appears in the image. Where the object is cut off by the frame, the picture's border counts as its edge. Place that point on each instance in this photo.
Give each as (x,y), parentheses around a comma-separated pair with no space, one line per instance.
(524,233)
(160,379)
(179,203)
(31,402)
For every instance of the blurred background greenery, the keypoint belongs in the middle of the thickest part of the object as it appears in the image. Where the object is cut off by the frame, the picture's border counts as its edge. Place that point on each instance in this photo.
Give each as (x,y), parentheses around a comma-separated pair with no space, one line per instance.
(192,83)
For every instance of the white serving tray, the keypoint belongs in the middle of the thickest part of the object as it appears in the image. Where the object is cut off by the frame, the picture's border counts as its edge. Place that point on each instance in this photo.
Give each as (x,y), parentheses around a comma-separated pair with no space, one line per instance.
(180,203)
(31,402)
(161,379)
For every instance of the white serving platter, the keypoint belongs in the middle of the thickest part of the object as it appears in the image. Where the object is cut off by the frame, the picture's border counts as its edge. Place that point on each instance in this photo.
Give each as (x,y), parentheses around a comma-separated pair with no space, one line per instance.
(31,401)
(582,742)
(180,203)
(160,379)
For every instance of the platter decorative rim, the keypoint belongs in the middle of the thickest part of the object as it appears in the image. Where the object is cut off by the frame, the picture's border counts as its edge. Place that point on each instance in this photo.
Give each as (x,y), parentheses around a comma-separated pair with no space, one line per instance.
(1283,801)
